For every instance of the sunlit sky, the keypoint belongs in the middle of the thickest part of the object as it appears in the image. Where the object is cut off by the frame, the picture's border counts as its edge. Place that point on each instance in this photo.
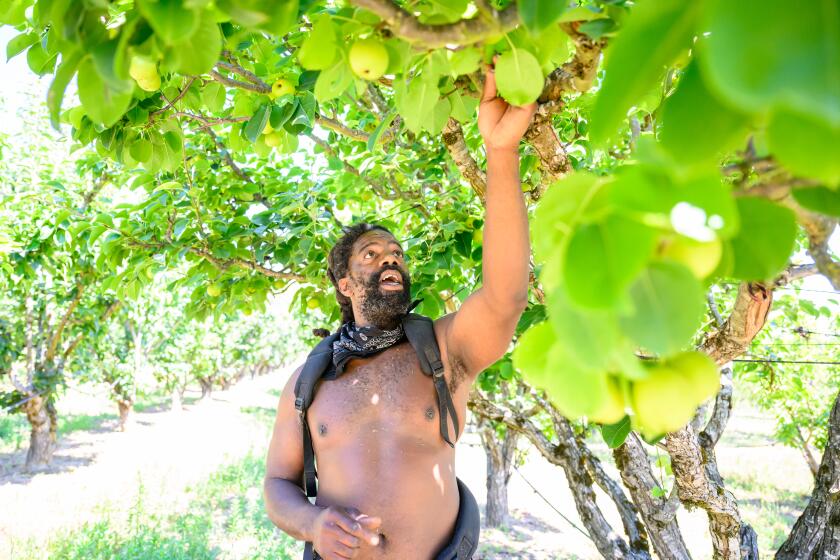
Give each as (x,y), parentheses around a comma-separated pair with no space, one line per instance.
(18,83)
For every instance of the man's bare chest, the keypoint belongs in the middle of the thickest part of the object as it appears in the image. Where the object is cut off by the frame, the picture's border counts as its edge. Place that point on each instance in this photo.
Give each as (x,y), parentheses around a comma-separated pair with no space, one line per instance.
(388,391)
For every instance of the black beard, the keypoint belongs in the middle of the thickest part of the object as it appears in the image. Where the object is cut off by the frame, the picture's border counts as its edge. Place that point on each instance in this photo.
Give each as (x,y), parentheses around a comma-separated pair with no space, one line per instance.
(385,310)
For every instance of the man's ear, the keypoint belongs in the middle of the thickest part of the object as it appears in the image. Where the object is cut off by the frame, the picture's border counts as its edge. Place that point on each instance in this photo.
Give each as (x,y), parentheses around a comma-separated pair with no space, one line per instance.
(344,287)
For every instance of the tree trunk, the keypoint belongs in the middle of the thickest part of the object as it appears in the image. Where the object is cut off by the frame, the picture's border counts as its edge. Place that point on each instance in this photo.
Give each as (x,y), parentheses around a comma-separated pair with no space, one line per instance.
(829,548)
(177,400)
(206,386)
(659,514)
(500,455)
(818,524)
(124,407)
(40,439)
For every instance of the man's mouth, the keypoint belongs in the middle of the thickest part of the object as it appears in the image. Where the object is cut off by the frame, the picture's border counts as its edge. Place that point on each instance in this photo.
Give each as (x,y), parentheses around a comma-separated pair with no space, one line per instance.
(391,279)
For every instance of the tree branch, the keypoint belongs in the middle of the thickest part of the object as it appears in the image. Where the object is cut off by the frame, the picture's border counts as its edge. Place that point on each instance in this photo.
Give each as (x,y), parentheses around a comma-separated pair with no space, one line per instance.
(56,337)
(453,139)
(554,161)
(406,26)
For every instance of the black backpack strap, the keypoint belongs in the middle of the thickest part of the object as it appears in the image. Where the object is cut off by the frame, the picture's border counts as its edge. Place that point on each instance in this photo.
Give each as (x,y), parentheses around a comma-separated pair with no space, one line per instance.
(420,332)
(316,363)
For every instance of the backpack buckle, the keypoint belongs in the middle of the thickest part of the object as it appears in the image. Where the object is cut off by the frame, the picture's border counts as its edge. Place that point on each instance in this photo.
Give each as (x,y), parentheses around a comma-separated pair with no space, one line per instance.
(299,404)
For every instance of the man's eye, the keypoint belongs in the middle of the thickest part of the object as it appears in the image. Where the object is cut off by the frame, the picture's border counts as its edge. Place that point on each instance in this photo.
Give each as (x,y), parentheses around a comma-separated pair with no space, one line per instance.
(370,254)
(399,254)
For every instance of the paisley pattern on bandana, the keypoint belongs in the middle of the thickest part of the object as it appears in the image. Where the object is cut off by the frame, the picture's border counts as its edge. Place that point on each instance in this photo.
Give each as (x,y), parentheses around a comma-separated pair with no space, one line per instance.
(361,342)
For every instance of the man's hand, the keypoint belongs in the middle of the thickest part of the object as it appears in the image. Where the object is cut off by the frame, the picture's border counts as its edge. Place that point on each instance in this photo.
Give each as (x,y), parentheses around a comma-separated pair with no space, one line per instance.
(500,123)
(339,532)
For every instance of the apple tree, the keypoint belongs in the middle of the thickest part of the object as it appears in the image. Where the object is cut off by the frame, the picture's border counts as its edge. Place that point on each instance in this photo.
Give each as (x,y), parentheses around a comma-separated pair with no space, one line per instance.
(659,163)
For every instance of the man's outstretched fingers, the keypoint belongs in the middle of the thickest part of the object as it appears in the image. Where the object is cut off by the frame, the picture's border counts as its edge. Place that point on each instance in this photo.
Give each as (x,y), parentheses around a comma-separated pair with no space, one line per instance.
(489,84)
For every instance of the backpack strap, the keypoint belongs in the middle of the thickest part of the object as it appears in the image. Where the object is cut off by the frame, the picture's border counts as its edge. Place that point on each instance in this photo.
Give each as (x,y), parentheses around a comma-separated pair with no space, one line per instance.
(420,332)
(317,362)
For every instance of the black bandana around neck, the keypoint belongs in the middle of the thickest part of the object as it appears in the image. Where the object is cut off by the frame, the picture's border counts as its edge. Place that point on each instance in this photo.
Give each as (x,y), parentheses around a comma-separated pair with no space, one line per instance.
(361,342)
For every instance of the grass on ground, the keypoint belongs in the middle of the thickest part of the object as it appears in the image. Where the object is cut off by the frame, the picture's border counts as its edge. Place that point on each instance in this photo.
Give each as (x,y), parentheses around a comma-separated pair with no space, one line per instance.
(225,519)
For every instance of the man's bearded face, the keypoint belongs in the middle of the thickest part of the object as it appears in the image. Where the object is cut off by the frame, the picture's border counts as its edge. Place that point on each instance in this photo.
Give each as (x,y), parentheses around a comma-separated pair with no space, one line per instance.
(384,302)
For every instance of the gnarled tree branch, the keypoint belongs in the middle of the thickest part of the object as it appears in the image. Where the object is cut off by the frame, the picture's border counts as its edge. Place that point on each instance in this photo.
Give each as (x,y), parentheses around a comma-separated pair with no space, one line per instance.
(405,25)
(453,139)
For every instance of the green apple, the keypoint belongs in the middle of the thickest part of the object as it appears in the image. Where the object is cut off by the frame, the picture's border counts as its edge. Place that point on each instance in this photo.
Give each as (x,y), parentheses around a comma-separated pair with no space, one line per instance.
(144,71)
(368,58)
(268,128)
(214,290)
(273,139)
(312,303)
(700,370)
(700,257)
(612,409)
(478,236)
(281,87)
(664,401)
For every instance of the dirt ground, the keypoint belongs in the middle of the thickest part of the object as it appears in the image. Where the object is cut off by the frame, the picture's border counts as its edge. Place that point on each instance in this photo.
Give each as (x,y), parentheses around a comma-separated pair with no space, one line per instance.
(101,472)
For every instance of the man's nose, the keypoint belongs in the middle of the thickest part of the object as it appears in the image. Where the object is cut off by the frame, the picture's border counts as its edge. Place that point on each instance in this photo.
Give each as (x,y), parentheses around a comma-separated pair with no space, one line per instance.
(389,258)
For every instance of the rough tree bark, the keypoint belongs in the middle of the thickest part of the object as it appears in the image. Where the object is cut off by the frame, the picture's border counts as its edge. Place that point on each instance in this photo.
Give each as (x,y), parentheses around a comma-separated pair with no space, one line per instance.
(566,453)
(664,531)
(124,407)
(500,455)
(40,443)
(693,459)
(816,534)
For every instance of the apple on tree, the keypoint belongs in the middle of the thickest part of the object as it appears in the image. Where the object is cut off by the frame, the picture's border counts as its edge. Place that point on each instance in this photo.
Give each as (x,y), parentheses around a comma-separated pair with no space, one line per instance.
(368,58)
(281,87)
(144,71)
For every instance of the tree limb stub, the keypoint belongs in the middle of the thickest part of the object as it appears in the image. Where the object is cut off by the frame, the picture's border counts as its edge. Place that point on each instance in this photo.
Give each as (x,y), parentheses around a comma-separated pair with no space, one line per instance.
(405,25)
(453,139)
(554,161)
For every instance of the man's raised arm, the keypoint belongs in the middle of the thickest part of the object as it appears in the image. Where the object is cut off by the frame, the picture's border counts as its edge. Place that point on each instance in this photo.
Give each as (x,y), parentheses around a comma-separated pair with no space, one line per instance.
(481,330)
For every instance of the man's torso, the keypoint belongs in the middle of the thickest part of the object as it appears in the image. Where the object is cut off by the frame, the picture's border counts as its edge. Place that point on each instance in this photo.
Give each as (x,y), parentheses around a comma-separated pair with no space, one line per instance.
(378,447)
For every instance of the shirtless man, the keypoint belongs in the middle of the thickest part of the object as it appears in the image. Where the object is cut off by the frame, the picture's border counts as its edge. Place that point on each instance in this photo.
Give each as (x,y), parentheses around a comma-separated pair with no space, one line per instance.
(387,486)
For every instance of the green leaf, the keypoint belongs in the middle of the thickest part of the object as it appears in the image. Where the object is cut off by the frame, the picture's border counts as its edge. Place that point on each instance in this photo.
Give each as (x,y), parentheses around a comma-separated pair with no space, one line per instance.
(65,72)
(603,258)
(565,202)
(418,104)
(256,125)
(519,78)
(819,199)
(667,307)
(615,434)
(787,55)
(171,20)
(213,96)
(440,115)
(652,36)
(589,337)
(103,103)
(807,145)
(19,44)
(199,52)
(464,61)
(319,49)
(696,127)
(39,60)
(463,107)
(333,81)
(536,15)
(141,150)
(765,241)
(373,139)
